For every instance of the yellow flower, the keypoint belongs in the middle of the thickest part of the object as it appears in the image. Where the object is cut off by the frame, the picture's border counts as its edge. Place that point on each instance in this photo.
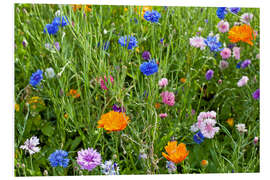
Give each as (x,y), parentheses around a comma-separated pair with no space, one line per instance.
(113,121)
(137,50)
(176,153)
(65,115)
(17,107)
(142,9)
(230,121)
(125,9)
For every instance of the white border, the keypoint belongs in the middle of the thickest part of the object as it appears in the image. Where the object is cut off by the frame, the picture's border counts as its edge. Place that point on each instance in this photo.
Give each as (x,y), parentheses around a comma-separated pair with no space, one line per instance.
(7,82)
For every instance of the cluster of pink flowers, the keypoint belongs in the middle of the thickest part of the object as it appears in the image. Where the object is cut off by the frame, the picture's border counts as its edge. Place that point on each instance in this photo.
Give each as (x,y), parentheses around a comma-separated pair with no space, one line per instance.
(168,98)
(197,42)
(102,83)
(206,124)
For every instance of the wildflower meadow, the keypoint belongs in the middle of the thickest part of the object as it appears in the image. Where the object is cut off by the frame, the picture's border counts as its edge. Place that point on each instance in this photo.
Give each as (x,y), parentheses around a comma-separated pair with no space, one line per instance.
(113,90)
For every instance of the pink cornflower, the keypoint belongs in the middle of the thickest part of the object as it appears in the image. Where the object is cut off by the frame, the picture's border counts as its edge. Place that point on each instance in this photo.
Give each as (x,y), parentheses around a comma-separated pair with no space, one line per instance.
(223,26)
(163,115)
(243,81)
(225,53)
(236,53)
(246,18)
(208,128)
(168,98)
(102,83)
(163,82)
(30,145)
(198,42)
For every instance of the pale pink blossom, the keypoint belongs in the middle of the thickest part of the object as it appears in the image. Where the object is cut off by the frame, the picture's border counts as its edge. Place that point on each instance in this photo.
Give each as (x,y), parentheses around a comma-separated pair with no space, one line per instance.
(243,81)
(198,42)
(30,145)
(168,98)
(236,53)
(246,18)
(241,128)
(163,82)
(225,53)
(223,26)
(208,128)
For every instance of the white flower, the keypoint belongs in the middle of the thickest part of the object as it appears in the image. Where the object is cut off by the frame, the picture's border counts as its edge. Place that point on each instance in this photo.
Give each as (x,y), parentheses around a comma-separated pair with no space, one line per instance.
(241,128)
(58,13)
(198,42)
(105,31)
(194,127)
(110,168)
(49,73)
(207,128)
(30,145)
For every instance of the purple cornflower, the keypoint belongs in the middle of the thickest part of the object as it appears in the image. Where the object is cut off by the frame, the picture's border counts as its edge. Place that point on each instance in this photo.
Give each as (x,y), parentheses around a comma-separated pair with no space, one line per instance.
(57,46)
(24,43)
(245,63)
(118,109)
(88,159)
(234,10)
(256,94)
(209,74)
(171,167)
(146,55)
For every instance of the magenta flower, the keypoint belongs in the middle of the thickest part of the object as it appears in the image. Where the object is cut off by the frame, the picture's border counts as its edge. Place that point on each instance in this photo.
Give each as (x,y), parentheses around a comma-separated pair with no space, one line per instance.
(163,82)
(256,94)
(102,83)
(168,98)
(236,53)
(223,26)
(88,159)
(163,115)
(225,53)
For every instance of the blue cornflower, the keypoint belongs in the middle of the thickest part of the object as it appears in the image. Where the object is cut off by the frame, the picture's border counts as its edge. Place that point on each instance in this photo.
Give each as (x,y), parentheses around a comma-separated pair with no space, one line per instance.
(152,16)
(149,68)
(51,29)
(206,20)
(213,43)
(198,137)
(110,168)
(221,12)
(238,65)
(234,10)
(59,158)
(130,41)
(56,21)
(36,78)
(162,40)
(209,74)
(64,21)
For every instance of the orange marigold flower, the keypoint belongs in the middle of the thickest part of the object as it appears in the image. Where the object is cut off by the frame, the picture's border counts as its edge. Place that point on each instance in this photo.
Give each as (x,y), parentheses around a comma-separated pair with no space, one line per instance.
(65,115)
(183,80)
(157,105)
(113,121)
(87,8)
(176,153)
(204,163)
(230,121)
(73,93)
(242,33)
